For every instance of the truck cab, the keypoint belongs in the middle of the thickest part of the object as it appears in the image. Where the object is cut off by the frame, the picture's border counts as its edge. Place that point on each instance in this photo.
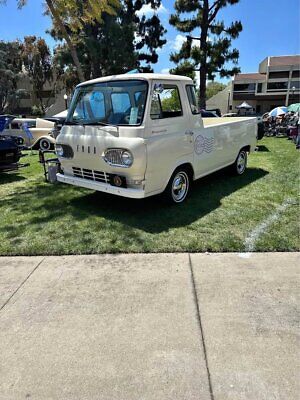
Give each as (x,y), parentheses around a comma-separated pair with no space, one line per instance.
(142,134)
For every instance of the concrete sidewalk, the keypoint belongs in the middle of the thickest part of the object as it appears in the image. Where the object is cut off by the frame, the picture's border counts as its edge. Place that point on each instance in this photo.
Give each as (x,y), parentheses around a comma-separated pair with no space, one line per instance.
(149,326)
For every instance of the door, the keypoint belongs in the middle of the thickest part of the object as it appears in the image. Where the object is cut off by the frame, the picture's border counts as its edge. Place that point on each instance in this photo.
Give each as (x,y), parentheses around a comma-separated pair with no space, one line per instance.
(169,140)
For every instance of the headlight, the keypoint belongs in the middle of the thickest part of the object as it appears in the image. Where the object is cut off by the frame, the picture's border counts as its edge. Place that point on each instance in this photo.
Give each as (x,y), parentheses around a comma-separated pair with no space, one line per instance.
(118,157)
(59,150)
(127,158)
(64,150)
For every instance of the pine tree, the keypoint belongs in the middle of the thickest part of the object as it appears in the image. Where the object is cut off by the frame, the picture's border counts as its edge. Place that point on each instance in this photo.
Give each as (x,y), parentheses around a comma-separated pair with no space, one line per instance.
(209,53)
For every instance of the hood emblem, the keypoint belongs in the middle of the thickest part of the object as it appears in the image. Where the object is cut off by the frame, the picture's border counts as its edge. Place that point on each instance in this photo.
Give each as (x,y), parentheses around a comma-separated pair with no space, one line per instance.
(88,149)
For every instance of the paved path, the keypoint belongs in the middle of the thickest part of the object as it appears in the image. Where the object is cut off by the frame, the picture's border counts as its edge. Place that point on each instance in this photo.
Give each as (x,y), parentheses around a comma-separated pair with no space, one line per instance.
(149,327)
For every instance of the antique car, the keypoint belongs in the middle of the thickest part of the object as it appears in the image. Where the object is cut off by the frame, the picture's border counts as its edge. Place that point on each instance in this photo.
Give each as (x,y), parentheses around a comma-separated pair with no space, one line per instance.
(35,132)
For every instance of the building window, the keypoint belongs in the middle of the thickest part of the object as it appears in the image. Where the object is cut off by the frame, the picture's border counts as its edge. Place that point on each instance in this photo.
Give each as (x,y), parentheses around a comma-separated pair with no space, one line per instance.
(259,87)
(296,74)
(279,74)
(295,84)
(244,87)
(277,86)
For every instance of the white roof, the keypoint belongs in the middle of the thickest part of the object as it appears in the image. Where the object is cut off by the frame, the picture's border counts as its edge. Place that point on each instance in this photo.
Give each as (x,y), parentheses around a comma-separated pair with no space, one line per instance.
(147,77)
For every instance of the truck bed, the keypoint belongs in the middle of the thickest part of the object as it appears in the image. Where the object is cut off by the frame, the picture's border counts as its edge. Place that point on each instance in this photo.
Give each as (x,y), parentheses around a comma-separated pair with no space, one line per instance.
(208,122)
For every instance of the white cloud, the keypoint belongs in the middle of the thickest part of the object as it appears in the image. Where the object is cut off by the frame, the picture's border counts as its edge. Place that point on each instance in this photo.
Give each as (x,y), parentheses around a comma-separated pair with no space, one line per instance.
(147,9)
(178,42)
(180,39)
(165,71)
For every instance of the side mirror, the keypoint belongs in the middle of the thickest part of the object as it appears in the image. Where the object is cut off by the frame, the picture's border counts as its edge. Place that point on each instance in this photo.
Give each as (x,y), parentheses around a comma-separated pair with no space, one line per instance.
(158,88)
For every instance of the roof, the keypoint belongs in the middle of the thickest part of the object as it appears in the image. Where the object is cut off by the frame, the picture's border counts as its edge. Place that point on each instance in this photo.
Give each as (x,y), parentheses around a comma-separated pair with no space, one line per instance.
(254,76)
(147,77)
(285,60)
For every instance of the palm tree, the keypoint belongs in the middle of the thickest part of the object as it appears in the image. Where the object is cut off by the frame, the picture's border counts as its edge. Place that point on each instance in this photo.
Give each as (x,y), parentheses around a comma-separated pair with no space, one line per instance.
(91,13)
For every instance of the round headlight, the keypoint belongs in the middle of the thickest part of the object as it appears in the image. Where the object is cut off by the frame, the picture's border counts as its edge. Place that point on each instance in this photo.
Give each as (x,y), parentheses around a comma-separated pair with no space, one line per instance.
(59,150)
(127,158)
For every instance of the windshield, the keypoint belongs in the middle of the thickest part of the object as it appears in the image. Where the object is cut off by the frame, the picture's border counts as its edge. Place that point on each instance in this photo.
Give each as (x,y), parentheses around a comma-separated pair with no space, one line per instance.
(109,103)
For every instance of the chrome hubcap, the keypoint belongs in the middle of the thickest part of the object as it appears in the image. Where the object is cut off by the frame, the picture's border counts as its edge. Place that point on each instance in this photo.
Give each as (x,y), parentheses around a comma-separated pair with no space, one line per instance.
(180,187)
(241,163)
(45,145)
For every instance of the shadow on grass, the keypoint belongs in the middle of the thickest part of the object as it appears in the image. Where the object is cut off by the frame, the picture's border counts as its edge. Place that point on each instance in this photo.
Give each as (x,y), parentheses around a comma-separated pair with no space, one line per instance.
(8,177)
(51,202)
(262,148)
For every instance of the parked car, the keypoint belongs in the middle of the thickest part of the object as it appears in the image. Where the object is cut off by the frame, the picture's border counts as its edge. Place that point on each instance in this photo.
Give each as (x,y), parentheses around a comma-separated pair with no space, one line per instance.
(229,115)
(10,147)
(143,134)
(208,114)
(39,129)
(216,111)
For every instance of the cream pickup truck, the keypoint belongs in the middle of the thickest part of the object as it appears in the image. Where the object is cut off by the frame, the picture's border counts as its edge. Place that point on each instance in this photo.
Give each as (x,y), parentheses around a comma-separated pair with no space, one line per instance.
(142,134)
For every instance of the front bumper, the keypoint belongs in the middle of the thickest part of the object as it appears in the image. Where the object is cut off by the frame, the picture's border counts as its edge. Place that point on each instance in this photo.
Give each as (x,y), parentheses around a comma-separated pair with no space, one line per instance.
(102,187)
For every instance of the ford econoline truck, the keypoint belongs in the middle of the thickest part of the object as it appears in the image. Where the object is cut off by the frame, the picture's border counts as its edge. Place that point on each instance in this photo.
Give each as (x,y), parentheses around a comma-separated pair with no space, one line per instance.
(142,134)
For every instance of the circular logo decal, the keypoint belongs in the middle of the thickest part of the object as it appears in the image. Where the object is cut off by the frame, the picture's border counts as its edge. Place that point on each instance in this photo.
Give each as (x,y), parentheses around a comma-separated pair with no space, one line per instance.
(199,144)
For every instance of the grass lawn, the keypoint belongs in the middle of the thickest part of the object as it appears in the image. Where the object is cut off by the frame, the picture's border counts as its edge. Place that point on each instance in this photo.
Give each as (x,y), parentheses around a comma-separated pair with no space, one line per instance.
(222,211)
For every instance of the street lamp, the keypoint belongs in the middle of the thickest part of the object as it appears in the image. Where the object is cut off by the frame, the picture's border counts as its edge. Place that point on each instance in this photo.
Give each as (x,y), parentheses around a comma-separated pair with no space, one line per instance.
(293,90)
(66,100)
(228,104)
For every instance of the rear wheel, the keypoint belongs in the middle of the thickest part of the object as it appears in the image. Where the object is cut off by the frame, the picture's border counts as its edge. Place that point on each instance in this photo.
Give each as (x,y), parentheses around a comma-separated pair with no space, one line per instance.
(240,164)
(178,186)
(45,144)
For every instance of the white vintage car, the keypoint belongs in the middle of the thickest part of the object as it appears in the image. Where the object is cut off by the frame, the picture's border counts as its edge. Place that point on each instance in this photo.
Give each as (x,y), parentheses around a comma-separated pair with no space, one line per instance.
(142,134)
(39,130)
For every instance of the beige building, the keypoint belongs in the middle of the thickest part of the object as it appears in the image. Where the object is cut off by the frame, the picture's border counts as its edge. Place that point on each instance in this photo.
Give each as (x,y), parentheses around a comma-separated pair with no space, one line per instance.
(52,99)
(276,83)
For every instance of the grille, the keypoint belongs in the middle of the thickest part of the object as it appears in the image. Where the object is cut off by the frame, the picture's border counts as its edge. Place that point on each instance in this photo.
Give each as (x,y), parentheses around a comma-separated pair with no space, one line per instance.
(91,174)
(114,156)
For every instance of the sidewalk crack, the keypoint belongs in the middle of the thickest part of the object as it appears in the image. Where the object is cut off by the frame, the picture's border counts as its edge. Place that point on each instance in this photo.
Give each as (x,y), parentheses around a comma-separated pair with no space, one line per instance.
(24,281)
(196,301)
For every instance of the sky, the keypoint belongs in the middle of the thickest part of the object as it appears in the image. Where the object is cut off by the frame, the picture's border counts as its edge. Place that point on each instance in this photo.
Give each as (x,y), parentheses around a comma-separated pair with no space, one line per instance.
(270,28)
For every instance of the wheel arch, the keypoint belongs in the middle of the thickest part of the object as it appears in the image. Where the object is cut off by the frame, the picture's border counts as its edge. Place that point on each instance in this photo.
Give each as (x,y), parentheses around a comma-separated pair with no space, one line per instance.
(181,164)
(36,144)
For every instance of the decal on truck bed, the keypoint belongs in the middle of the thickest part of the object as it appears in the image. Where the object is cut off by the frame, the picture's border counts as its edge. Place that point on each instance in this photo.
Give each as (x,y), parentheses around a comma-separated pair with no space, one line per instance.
(203,144)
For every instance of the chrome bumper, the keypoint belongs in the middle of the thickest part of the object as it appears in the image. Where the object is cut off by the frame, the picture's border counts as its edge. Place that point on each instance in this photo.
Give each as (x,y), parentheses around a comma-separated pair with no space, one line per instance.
(101,187)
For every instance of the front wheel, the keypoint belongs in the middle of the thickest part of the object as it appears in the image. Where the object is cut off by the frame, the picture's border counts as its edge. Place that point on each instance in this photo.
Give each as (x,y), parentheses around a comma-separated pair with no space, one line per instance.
(240,164)
(178,187)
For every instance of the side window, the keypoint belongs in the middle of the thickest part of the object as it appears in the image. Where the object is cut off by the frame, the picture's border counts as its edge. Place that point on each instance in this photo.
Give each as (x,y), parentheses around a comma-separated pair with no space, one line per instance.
(120,102)
(166,104)
(191,93)
(15,125)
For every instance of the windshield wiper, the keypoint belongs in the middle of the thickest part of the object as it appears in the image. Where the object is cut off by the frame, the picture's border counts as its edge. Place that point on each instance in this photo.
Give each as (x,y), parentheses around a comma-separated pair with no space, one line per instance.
(100,123)
(73,123)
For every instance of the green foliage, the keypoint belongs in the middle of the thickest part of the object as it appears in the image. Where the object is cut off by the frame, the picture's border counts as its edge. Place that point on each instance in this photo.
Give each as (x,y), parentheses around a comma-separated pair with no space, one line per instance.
(185,70)
(213,88)
(37,111)
(10,72)
(118,44)
(171,102)
(211,53)
(37,62)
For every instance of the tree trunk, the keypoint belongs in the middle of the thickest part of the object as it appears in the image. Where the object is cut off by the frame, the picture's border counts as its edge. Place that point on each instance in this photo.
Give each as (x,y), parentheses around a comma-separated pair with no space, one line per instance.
(203,47)
(67,39)
(202,89)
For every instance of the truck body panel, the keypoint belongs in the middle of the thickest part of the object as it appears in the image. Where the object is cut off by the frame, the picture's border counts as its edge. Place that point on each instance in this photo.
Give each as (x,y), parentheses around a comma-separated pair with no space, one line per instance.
(159,127)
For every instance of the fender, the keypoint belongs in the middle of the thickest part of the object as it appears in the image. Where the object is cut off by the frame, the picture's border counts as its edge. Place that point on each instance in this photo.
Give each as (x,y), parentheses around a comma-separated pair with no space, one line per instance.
(35,144)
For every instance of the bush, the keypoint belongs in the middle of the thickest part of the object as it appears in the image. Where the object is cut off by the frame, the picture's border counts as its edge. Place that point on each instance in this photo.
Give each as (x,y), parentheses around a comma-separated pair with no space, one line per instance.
(37,111)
